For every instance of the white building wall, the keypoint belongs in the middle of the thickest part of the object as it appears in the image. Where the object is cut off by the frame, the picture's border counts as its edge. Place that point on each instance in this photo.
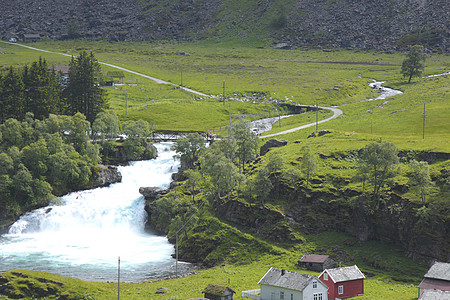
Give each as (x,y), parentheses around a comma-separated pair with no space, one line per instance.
(267,290)
(309,291)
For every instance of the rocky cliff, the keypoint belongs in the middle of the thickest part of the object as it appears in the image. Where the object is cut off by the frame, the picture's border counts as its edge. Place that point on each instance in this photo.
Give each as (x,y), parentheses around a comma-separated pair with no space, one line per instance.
(365,24)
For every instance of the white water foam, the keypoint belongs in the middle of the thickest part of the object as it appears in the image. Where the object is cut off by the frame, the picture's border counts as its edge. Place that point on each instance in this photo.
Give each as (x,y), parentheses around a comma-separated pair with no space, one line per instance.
(85,235)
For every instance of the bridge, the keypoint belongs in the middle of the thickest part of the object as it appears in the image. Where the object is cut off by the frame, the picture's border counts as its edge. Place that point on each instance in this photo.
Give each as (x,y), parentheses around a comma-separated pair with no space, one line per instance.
(172,136)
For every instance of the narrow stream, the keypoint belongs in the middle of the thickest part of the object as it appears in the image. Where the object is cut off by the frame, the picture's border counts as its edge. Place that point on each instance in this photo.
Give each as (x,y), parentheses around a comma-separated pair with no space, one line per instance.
(84,236)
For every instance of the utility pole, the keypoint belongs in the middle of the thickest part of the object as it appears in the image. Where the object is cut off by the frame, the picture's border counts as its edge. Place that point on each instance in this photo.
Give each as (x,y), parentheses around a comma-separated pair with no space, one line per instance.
(423,127)
(229,113)
(118,279)
(279,113)
(317,117)
(223,93)
(126,104)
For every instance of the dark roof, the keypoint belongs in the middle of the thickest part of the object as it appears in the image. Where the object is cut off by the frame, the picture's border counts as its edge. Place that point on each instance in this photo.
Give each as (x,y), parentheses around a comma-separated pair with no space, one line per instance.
(287,279)
(344,274)
(216,289)
(31,35)
(435,284)
(434,295)
(314,258)
(62,69)
(439,270)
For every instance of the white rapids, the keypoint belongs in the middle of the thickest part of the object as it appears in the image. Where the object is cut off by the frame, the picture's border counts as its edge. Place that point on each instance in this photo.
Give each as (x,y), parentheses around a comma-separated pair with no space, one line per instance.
(84,236)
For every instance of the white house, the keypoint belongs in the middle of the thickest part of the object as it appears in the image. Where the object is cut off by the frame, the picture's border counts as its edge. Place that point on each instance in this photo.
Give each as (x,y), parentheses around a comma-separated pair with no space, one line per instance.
(279,284)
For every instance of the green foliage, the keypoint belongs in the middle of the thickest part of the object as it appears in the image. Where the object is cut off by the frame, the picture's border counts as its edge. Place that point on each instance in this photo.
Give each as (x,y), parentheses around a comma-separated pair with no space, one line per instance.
(420,179)
(83,92)
(105,126)
(246,141)
(309,163)
(194,179)
(377,162)
(413,65)
(188,149)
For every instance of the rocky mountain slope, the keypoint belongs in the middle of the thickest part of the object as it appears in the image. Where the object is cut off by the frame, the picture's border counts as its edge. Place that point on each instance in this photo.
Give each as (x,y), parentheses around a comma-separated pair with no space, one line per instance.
(365,24)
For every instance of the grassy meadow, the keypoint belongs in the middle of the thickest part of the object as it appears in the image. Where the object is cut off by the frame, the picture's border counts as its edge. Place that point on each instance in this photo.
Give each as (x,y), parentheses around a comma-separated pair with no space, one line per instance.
(337,78)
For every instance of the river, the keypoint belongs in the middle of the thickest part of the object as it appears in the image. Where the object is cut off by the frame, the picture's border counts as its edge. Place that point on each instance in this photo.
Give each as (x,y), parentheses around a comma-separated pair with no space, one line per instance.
(84,236)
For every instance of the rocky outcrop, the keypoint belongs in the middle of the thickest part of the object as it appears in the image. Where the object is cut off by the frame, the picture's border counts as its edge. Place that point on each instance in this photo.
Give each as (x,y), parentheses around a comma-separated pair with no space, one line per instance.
(272,143)
(384,25)
(108,175)
(151,193)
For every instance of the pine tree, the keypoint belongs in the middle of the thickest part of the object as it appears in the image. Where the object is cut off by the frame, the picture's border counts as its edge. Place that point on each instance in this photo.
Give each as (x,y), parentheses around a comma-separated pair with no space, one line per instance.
(11,96)
(42,89)
(83,93)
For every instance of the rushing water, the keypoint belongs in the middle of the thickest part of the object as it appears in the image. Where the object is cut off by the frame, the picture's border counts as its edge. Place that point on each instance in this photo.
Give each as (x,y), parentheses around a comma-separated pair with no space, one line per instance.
(84,236)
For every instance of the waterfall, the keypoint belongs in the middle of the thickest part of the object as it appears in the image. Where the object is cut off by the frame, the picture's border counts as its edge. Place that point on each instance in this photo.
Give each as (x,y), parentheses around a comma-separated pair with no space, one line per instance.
(84,236)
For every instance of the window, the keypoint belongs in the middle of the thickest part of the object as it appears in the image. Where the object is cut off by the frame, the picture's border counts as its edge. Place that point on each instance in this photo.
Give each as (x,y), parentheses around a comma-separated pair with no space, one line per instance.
(281,295)
(314,284)
(272,297)
(325,276)
(317,296)
(340,289)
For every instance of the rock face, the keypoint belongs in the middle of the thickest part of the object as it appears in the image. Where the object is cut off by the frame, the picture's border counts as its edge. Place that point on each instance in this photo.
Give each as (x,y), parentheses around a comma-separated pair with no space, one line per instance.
(383,25)
(108,175)
(272,143)
(151,193)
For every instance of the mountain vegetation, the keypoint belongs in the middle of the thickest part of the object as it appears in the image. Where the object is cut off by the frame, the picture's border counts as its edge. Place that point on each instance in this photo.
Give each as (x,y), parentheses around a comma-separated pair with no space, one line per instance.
(383,25)
(373,191)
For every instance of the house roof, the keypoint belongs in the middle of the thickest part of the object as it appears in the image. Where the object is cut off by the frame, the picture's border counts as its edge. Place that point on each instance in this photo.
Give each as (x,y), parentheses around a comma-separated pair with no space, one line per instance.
(62,69)
(287,279)
(435,295)
(31,35)
(435,284)
(439,270)
(314,258)
(216,289)
(344,274)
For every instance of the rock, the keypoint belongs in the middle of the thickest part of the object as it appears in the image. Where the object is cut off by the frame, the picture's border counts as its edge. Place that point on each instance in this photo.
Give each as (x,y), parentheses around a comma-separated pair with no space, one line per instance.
(161,290)
(108,175)
(320,133)
(272,143)
(283,46)
(323,132)
(151,193)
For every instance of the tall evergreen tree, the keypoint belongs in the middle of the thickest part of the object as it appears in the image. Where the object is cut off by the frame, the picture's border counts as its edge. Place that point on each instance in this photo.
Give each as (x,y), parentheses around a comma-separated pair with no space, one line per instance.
(83,92)
(41,89)
(11,96)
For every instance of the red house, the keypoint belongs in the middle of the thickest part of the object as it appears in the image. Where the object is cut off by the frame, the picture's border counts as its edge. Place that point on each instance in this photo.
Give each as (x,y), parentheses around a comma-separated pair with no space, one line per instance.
(343,282)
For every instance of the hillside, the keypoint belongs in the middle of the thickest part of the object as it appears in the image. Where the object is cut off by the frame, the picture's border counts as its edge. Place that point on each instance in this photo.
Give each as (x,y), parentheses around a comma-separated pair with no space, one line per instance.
(302,23)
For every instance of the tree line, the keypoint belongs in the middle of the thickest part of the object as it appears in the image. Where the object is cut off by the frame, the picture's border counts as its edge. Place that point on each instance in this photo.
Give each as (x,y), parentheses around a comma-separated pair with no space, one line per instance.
(38,89)
(41,159)
(219,169)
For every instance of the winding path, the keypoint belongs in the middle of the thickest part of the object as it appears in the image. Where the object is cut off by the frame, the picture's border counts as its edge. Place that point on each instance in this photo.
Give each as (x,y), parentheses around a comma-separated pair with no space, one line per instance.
(385,92)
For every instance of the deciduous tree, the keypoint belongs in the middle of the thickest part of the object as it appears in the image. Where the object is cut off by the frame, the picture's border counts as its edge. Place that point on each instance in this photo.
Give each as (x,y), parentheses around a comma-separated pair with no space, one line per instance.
(414,63)
(377,162)
(309,163)
(420,179)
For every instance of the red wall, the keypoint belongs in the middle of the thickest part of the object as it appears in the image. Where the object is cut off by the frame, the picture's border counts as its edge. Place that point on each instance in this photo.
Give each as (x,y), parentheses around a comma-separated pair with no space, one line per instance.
(351,288)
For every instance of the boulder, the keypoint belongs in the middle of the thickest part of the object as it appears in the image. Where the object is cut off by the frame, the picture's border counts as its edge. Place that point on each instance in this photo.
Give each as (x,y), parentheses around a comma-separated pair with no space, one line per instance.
(151,193)
(283,46)
(272,143)
(108,175)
